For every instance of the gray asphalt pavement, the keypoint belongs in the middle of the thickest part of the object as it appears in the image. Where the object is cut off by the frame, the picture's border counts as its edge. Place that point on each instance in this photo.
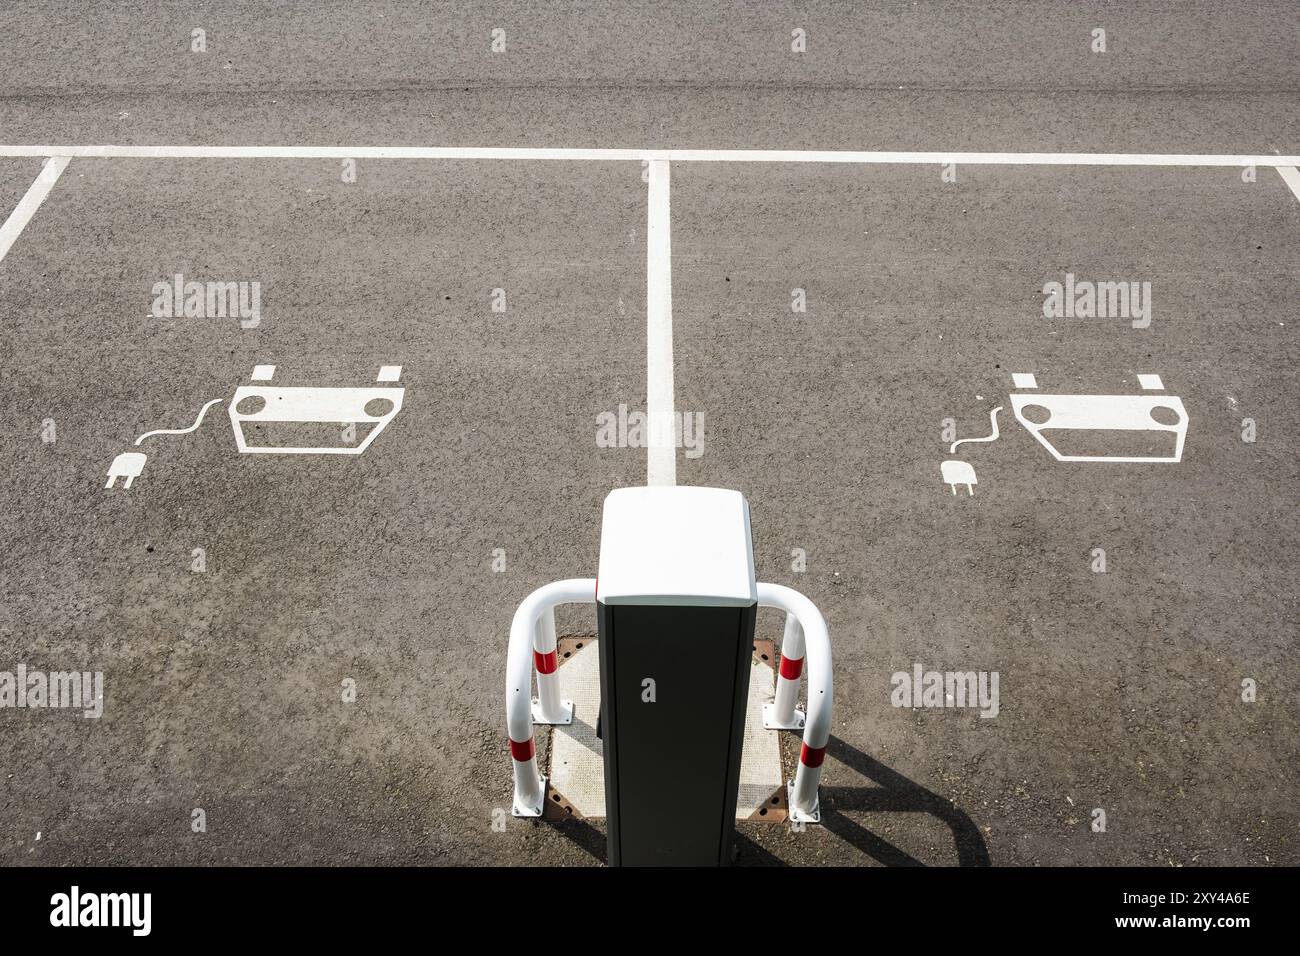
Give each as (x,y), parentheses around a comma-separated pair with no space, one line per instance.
(1120,691)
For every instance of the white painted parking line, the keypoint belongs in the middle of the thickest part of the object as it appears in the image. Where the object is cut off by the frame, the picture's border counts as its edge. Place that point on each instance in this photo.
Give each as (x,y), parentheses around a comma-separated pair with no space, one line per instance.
(661,457)
(1291,177)
(27,206)
(970,159)
(661,464)
(665,155)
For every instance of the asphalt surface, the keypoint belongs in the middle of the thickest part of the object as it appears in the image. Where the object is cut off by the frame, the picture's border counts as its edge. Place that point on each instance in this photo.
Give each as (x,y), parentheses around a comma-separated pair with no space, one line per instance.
(1120,691)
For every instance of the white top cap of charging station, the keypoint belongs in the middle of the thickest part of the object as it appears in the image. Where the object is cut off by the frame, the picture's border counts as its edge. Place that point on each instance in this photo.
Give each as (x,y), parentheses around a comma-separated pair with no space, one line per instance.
(673,545)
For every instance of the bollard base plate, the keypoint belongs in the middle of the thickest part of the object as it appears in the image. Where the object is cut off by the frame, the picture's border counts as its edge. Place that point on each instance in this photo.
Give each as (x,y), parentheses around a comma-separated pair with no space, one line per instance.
(770,722)
(566,706)
(801,816)
(519,810)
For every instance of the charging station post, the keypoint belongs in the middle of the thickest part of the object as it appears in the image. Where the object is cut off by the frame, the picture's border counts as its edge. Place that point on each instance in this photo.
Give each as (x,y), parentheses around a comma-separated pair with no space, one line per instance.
(676,602)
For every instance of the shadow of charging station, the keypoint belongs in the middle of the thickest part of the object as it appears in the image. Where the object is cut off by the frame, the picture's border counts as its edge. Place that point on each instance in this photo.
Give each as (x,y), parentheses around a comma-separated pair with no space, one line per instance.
(894,793)
(676,601)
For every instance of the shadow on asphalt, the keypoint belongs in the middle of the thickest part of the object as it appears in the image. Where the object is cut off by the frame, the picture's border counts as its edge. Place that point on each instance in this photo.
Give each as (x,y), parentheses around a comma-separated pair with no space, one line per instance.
(895,794)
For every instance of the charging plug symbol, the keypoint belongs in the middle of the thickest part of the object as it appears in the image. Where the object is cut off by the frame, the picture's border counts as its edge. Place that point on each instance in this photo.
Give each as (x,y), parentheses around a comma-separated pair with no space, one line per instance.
(959,473)
(127,465)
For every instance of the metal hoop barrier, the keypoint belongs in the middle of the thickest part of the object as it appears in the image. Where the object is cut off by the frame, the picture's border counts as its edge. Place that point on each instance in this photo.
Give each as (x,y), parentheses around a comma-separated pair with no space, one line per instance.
(532,647)
(805,635)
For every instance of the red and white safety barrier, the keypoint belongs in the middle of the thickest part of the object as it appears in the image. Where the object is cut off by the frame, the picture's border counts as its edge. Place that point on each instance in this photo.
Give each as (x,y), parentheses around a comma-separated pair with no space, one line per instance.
(782,713)
(805,636)
(548,708)
(532,646)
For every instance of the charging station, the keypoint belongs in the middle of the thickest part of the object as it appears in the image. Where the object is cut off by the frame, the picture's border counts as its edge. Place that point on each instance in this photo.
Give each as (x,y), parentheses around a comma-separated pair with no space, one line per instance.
(676,605)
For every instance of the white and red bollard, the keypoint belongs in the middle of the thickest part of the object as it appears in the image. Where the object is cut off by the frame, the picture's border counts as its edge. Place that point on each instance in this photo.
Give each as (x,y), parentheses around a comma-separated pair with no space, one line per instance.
(805,636)
(547,706)
(532,646)
(783,713)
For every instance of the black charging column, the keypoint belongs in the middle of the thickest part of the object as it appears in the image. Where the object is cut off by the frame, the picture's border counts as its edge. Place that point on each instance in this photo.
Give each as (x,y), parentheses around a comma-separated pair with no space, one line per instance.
(676,603)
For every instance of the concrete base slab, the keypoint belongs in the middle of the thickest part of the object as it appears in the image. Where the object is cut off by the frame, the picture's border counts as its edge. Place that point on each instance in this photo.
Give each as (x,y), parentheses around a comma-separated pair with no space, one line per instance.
(577,770)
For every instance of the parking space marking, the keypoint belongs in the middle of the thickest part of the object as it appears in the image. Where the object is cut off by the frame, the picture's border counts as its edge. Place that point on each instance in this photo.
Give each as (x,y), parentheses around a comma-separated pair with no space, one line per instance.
(661,457)
(31,201)
(1291,177)
(930,158)
(661,420)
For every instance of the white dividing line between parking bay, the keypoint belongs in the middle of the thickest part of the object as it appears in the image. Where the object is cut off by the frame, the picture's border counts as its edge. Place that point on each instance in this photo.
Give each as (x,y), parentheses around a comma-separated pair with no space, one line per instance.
(31,201)
(661,448)
(1291,177)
